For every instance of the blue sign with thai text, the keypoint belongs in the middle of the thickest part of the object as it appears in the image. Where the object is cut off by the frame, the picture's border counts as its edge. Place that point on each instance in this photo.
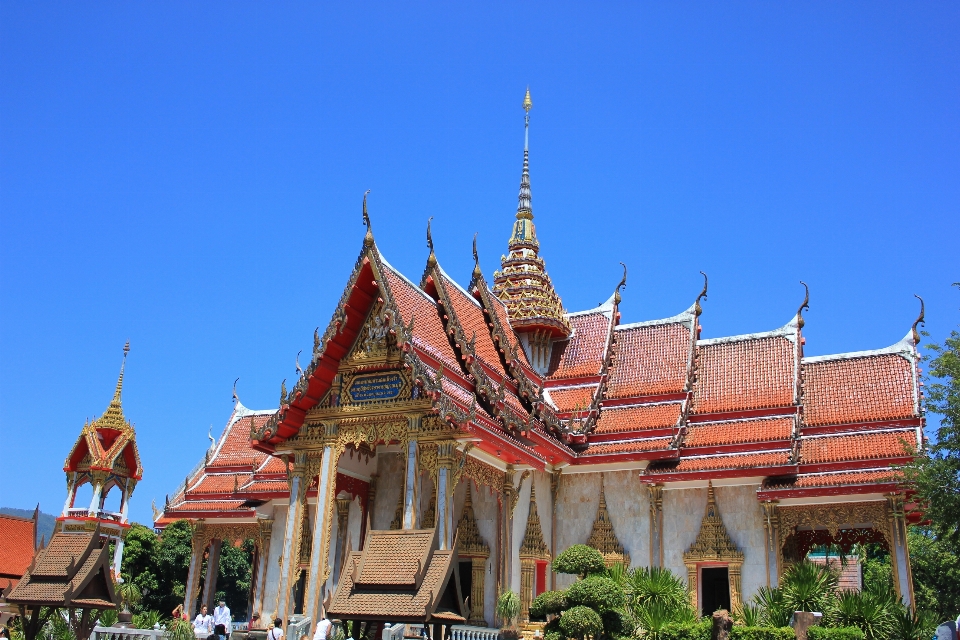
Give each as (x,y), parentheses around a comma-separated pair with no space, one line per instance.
(380,386)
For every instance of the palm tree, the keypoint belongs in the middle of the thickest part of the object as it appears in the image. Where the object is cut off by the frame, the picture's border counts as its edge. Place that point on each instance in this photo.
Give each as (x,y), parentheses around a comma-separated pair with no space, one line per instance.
(808,586)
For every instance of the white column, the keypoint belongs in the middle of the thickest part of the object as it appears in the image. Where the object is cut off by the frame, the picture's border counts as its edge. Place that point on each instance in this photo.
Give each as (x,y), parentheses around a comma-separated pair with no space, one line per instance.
(291,531)
(442,525)
(117,558)
(410,486)
(321,533)
(95,500)
(123,506)
(71,492)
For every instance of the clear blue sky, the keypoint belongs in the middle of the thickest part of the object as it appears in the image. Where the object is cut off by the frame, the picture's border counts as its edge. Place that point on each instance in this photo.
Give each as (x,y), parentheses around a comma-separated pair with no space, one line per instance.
(188,176)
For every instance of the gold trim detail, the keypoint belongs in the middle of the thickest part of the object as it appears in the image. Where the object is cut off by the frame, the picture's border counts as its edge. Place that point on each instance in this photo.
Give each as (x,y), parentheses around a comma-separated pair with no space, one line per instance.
(603,538)
(714,545)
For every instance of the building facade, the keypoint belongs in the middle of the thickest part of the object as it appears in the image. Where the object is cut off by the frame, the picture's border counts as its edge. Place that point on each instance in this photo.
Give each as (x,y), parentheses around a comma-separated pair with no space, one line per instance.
(517,428)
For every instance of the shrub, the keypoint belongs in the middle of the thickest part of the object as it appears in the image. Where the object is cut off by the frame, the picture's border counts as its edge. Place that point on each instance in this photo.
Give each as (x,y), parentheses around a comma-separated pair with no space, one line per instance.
(508,607)
(808,586)
(548,602)
(698,631)
(838,633)
(762,633)
(580,560)
(616,624)
(551,631)
(579,622)
(596,592)
(181,630)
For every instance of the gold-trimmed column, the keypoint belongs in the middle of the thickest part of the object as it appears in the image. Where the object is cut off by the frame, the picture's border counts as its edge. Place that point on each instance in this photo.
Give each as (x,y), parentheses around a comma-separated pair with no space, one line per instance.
(264,534)
(290,552)
(411,492)
(771,527)
(656,524)
(198,544)
(899,553)
(444,495)
(326,468)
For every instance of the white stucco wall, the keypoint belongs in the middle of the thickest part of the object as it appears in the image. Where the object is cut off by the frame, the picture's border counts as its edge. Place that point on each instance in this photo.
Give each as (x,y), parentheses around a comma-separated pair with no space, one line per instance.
(269,608)
(390,467)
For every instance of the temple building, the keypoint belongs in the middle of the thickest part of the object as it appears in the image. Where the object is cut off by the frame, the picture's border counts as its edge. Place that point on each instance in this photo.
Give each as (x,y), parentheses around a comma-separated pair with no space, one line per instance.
(514,428)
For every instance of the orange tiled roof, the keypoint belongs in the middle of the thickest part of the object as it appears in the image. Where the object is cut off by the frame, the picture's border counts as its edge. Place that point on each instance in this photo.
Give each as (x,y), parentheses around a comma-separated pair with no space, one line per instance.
(839,391)
(843,478)
(572,398)
(726,461)
(470,315)
(234,446)
(581,355)
(19,541)
(219,483)
(651,416)
(736,375)
(629,446)
(428,333)
(649,360)
(206,505)
(857,446)
(738,432)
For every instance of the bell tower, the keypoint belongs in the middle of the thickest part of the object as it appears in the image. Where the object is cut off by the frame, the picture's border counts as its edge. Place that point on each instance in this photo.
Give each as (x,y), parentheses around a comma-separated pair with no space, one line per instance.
(106,457)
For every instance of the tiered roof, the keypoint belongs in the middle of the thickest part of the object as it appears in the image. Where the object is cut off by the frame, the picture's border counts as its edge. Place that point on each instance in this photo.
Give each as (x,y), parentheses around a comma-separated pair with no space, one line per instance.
(19,537)
(535,385)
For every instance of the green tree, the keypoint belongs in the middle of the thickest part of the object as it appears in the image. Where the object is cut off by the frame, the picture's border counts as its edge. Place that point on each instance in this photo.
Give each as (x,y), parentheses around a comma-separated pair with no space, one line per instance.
(936,476)
(580,560)
(139,565)
(936,573)
(172,558)
(233,582)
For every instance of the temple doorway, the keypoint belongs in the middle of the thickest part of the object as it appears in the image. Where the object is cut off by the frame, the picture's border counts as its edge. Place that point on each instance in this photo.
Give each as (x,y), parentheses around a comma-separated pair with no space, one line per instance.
(714,589)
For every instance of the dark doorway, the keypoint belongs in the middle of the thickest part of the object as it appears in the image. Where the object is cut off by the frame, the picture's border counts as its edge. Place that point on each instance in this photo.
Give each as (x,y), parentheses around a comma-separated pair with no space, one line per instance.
(465,569)
(714,589)
(299,592)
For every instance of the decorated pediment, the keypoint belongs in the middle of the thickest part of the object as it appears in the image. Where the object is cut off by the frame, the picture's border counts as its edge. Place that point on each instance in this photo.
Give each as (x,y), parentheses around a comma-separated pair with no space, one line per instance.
(603,538)
(471,544)
(713,543)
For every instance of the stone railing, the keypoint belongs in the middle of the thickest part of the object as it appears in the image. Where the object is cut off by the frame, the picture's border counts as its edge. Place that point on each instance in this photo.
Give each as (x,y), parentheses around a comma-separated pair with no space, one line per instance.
(298,627)
(466,632)
(462,632)
(123,633)
(393,632)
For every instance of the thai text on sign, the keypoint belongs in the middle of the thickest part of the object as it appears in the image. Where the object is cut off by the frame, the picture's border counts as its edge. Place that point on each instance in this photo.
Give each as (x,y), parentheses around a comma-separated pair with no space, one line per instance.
(385,386)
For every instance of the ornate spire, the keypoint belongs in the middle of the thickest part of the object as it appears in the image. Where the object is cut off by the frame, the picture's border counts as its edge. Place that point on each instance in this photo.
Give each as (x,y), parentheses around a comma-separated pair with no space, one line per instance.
(471,543)
(533,545)
(113,417)
(523,284)
(603,538)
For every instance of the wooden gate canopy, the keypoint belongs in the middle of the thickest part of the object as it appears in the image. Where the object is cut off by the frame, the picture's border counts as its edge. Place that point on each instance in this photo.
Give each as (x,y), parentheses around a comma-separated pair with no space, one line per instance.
(73,570)
(400,576)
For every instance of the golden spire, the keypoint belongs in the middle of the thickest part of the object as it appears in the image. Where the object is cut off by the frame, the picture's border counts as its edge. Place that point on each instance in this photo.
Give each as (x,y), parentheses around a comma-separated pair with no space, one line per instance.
(527,102)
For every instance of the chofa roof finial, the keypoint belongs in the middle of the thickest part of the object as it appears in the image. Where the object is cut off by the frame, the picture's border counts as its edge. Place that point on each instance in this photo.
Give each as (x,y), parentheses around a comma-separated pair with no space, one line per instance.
(299,369)
(368,238)
(476,259)
(803,305)
(697,309)
(919,321)
(623,283)
(236,398)
(432,258)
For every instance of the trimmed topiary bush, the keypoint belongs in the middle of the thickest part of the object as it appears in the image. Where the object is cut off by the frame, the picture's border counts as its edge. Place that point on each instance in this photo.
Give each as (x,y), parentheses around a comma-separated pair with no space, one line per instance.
(580,621)
(762,633)
(551,631)
(597,592)
(579,560)
(548,602)
(702,630)
(838,633)
(616,624)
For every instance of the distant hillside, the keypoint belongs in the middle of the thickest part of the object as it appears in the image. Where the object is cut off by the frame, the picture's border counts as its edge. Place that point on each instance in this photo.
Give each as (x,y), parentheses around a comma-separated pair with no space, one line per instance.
(45,522)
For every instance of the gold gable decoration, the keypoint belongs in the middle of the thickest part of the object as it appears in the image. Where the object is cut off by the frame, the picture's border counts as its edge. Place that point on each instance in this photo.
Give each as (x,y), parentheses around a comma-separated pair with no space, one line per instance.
(470,545)
(714,545)
(603,538)
(533,545)
(376,343)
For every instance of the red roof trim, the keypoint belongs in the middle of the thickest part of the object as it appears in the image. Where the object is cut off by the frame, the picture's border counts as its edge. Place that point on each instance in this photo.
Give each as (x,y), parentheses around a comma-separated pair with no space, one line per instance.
(660,478)
(785,411)
(841,490)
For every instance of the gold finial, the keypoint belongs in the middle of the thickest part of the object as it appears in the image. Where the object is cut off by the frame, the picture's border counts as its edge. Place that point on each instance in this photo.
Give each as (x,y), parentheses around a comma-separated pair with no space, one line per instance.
(432,258)
(368,238)
(803,305)
(476,259)
(919,321)
(527,102)
(697,309)
(236,398)
(123,364)
(617,298)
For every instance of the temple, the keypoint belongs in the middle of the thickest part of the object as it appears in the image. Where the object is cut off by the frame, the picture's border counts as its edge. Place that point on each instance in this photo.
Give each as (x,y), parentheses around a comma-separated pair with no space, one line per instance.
(511,428)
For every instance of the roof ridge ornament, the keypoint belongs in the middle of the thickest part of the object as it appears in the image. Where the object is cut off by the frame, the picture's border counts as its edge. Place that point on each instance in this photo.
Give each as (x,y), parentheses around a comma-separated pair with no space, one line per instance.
(368,238)
(622,285)
(918,321)
(236,398)
(476,259)
(432,259)
(697,309)
(803,305)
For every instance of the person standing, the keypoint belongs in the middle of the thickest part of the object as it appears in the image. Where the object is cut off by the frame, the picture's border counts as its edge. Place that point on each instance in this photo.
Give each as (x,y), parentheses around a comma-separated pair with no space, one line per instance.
(203,623)
(276,633)
(221,615)
(323,628)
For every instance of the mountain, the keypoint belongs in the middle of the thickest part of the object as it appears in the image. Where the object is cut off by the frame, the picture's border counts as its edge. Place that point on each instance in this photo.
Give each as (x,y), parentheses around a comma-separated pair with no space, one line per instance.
(45,522)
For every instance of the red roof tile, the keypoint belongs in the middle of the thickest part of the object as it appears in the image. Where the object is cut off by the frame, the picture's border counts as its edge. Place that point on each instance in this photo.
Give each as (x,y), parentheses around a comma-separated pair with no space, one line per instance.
(844,478)
(581,355)
(748,374)
(649,360)
(470,315)
(857,446)
(572,398)
(726,461)
(19,541)
(630,446)
(738,432)
(857,390)
(207,505)
(234,448)
(428,332)
(651,416)
(219,483)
